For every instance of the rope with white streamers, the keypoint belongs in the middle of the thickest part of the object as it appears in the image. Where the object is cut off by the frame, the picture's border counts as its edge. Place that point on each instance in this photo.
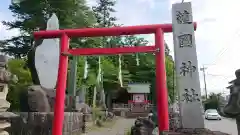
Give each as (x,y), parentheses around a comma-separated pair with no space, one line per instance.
(85,68)
(120,70)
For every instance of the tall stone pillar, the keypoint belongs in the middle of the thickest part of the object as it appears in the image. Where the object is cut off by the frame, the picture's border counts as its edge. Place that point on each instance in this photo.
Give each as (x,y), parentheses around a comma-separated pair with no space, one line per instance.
(186,64)
(4,105)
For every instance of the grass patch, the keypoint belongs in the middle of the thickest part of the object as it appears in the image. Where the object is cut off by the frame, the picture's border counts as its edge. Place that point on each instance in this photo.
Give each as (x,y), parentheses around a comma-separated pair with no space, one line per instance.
(128,132)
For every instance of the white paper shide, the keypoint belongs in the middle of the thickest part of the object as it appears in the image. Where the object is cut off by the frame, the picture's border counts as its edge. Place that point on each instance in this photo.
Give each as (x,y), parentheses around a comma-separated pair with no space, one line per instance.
(188,84)
(47,57)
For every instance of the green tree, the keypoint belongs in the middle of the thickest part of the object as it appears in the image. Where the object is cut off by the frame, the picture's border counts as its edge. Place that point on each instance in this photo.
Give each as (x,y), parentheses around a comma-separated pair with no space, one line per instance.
(213,102)
(33,15)
(17,67)
(103,13)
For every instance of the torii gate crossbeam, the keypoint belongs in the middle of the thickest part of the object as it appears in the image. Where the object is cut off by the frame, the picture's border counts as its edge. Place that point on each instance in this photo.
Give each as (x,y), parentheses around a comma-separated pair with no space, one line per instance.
(158,49)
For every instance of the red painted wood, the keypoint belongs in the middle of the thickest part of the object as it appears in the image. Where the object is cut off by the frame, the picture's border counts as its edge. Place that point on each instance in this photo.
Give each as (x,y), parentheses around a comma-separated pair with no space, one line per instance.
(113,31)
(60,89)
(111,51)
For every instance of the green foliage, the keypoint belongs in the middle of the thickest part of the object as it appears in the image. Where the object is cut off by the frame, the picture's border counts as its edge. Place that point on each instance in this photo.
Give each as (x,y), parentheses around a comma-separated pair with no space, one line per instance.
(128,132)
(91,80)
(103,12)
(170,72)
(17,67)
(32,15)
(213,102)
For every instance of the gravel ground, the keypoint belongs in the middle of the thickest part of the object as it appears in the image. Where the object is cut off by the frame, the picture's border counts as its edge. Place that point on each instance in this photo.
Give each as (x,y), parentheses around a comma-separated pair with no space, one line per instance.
(119,128)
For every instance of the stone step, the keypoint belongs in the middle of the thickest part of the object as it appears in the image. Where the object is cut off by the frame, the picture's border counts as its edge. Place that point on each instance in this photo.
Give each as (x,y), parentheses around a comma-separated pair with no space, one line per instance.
(135,114)
(4,124)
(173,133)
(4,133)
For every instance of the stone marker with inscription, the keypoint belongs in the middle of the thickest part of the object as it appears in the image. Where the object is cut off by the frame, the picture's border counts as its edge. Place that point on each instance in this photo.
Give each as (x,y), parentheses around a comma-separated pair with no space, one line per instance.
(188,84)
(47,57)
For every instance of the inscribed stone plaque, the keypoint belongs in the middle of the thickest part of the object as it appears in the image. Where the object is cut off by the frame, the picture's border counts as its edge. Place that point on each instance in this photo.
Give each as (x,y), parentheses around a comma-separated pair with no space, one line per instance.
(188,84)
(47,57)
(139,98)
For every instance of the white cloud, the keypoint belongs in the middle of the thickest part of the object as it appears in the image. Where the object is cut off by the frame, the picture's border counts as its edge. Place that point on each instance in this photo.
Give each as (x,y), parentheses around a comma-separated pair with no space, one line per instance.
(150,3)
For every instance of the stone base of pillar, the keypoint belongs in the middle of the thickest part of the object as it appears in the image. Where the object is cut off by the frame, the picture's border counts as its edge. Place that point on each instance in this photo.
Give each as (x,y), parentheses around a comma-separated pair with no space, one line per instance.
(4,125)
(4,133)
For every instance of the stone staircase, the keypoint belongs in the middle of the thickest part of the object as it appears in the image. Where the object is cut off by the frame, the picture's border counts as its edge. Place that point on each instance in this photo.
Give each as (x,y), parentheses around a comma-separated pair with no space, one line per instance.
(136,114)
(124,110)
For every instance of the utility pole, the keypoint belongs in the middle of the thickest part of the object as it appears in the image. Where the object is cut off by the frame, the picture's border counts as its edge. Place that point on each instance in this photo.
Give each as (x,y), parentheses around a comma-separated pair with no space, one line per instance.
(204,79)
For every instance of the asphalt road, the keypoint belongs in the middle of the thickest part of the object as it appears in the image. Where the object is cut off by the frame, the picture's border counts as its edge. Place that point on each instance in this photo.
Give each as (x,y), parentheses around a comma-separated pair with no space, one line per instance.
(225,125)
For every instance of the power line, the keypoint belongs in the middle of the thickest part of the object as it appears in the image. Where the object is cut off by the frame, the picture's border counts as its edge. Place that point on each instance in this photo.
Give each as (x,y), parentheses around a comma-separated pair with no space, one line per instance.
(223,50)
(217,75)
(203,69)
(219,54)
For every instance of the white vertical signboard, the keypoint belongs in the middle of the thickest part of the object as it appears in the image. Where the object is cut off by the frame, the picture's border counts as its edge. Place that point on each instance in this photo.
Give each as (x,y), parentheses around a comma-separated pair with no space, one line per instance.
(188,84)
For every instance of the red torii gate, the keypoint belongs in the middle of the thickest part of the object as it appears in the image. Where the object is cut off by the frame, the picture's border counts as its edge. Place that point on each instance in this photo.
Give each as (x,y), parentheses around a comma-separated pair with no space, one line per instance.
(158,49)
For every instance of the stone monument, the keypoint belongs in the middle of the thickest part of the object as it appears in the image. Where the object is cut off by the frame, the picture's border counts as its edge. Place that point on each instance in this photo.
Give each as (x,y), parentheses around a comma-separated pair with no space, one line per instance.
(47,57)
(5,78)
(187,76)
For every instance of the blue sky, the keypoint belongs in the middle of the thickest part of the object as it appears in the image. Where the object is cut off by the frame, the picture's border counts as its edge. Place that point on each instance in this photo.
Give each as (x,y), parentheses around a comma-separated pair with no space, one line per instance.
(217,42)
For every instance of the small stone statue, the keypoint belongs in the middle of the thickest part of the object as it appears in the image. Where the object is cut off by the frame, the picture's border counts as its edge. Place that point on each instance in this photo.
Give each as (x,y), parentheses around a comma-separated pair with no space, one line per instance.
(5,78)
(232,109)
